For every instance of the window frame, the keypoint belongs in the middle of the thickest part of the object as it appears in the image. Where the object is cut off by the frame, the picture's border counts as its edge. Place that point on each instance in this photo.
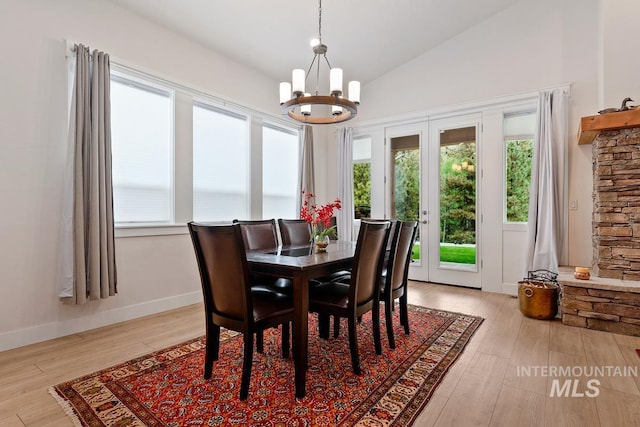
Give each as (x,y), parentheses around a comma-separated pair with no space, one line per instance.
(182,196)
(154,87)
(512,225)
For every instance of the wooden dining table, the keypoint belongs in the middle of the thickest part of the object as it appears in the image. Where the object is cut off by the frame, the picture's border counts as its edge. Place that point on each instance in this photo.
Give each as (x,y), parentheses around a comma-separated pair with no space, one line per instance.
(301,263)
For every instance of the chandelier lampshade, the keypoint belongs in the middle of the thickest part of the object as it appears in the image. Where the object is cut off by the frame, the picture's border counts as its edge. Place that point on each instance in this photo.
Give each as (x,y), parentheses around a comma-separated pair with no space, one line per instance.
(297,103)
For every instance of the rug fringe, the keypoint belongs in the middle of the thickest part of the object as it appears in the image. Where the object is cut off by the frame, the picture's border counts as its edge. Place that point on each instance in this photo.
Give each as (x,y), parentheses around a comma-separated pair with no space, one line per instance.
(66,407)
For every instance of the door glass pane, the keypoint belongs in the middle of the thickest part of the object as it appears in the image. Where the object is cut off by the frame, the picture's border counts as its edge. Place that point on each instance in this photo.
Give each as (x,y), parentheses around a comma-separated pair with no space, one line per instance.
(405,189)
(458,198)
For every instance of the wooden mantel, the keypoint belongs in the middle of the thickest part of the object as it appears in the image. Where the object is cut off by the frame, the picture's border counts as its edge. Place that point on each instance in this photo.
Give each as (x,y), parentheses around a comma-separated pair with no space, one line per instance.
(591,126)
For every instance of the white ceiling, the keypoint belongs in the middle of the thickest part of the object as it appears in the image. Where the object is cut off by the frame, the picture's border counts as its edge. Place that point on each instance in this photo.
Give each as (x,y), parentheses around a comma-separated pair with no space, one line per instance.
(367,38)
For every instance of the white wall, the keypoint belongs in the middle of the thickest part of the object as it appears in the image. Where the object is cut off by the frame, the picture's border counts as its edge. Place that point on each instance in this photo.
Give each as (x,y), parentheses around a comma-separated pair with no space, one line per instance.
(155,273)
(535,43)
(532,45)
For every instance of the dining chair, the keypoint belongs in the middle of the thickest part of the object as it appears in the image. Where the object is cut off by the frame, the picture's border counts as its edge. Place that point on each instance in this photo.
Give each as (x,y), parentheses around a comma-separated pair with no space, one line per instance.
(359,295)
(395,276)
(262,235)
(298,232)
(294,231)
(345,275)
(228,299)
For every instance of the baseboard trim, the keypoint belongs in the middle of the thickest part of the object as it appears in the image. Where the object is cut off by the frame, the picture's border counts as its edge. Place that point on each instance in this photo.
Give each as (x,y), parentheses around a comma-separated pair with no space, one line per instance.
(21,337)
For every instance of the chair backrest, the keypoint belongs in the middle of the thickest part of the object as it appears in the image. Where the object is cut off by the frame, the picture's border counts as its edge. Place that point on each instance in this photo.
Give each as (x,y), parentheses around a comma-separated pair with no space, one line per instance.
(367,262)
(222,263)
(393,222)
(294,231)
(400,257)
(258,234)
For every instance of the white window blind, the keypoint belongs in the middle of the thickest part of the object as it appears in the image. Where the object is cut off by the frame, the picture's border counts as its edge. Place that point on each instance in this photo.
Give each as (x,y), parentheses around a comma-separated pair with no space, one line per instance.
(280,170)
(220,164)
(142,151)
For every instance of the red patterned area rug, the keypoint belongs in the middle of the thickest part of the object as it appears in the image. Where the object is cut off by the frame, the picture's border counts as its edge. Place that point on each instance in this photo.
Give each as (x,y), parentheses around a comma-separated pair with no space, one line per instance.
(166,388)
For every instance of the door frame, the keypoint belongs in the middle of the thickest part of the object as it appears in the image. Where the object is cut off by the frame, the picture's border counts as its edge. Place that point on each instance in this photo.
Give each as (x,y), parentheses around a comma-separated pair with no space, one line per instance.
(417,270)
(450,274)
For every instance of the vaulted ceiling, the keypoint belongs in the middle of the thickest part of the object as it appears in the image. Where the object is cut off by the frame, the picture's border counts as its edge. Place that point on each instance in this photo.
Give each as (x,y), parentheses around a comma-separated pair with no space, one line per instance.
(367,38)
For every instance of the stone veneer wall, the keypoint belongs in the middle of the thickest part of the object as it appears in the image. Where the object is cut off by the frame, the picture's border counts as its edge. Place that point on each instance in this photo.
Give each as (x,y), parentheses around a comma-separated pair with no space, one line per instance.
(599,306)
(616,209)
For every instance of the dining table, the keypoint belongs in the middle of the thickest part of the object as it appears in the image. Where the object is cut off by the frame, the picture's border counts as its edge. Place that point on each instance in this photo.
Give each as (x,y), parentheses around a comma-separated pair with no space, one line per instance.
(300,264)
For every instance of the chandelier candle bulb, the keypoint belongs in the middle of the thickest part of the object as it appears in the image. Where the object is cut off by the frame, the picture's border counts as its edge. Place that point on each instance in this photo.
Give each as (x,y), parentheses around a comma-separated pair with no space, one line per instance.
(297,78)
(354,91)
(285,92)
(335,81)
(305,109)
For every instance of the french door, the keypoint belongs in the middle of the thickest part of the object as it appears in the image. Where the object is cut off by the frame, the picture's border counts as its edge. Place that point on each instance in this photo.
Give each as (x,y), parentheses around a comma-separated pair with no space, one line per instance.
(433,172)
(453,199)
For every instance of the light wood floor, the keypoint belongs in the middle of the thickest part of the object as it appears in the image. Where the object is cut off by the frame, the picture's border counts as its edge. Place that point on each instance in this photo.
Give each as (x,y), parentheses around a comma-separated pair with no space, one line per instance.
(481,389)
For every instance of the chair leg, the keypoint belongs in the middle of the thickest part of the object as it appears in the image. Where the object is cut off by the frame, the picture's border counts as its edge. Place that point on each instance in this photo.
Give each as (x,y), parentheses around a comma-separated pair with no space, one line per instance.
(260,341)
(353,346)
(246,366)
(388,316)
(336,326)
(323,325)
(212,346)
(285,340)
(404,313)
(376,328)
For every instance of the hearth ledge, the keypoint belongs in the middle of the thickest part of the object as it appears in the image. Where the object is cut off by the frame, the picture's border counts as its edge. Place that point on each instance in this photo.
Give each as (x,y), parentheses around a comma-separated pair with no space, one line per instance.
(565,277)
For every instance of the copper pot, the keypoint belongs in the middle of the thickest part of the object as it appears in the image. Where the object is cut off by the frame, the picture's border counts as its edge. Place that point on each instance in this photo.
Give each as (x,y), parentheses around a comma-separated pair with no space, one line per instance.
(538,299)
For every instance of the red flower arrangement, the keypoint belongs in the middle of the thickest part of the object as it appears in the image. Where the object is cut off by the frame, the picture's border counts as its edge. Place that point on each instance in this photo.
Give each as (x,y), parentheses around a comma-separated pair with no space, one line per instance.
(319,216)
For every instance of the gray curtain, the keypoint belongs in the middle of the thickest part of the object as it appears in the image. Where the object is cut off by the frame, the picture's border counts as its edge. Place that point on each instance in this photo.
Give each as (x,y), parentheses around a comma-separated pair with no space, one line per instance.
(546,223)
(345,184)
(307,174)
(88,270)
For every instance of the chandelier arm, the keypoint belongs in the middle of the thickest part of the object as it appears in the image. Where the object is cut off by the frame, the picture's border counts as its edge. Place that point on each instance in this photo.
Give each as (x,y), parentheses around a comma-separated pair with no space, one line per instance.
(327,59)
(311,66)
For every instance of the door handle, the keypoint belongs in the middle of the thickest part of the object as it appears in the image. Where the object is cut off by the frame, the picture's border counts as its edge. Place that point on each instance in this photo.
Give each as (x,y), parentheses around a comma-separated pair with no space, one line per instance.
(424,221)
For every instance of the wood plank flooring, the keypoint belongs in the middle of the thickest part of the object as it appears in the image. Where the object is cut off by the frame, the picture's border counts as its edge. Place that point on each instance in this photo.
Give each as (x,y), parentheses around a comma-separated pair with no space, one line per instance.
(483,388)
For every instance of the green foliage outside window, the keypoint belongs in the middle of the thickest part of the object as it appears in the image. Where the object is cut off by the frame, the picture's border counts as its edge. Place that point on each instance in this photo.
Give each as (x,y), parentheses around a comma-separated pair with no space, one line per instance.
(406,184)
(519,154)
(458,194)
(362,190)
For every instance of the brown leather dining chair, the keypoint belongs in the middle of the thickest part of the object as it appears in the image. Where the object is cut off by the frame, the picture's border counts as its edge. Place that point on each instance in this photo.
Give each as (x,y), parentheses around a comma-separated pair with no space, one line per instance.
(262,234)
(294,231)
(228,299)
(361,293)
(394,277)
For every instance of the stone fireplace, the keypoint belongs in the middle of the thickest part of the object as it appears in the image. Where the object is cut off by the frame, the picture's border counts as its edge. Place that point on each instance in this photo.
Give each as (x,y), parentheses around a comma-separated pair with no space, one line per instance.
(616,209)
(610,300)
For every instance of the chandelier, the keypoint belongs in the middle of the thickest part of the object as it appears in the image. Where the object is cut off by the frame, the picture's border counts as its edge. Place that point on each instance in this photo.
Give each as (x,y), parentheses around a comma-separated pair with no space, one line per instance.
(296,103)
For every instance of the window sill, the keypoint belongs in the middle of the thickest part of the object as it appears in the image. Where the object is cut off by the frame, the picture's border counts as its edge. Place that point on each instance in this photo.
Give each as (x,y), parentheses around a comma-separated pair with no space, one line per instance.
(139,230)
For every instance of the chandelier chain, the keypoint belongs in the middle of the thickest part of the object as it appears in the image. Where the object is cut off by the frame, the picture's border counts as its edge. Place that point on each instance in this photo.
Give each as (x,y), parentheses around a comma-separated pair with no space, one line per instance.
(320,21)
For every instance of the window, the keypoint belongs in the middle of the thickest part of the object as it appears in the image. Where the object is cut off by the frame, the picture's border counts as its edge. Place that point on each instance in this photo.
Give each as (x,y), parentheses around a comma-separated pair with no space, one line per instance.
(362,177)
(180,154)
(518,138)
(220,164)
(142,151)
(280,174)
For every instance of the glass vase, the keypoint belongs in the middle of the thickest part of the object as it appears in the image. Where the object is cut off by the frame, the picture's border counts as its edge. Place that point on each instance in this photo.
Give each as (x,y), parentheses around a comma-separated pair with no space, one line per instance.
(321,242)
